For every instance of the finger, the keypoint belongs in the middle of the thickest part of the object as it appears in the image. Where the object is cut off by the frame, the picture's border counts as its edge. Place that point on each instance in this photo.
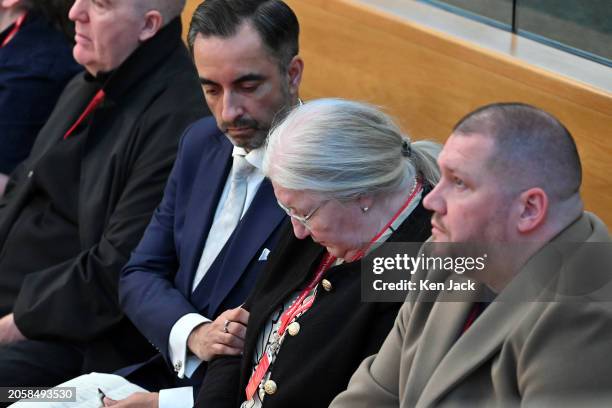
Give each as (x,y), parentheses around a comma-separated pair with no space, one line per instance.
(238,315)
(109,402)
(237,329)
(232,341)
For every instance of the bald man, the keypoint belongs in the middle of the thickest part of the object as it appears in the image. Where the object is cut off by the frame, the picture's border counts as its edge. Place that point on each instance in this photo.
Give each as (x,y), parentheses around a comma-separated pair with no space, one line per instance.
(511,176)
(78,206)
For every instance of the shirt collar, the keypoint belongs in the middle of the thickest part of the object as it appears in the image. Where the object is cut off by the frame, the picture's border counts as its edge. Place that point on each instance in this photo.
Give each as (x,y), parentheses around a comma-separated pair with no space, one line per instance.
(254,157)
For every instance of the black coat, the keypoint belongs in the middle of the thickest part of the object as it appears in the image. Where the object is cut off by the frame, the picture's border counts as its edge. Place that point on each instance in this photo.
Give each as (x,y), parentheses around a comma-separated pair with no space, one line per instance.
(336,334)
(131,144)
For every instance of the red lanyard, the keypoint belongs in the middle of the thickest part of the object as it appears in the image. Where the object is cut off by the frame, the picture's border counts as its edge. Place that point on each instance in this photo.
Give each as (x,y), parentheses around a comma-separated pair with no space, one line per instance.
(417,187)
(93,104)
(298,306)
(15,29)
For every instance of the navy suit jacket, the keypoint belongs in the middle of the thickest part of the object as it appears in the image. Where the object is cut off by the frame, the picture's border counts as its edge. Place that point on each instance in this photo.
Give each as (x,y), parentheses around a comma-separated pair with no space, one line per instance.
(155,285)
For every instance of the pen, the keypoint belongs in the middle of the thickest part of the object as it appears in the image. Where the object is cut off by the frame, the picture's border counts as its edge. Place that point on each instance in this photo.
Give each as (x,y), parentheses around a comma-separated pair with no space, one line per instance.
(101,395)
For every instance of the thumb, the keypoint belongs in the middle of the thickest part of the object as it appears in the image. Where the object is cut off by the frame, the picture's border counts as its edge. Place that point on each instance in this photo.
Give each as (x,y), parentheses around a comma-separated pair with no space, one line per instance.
(109,402)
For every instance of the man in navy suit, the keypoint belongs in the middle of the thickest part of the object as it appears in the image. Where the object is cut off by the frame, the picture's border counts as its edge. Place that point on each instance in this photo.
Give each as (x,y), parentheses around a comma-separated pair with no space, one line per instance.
(181,280)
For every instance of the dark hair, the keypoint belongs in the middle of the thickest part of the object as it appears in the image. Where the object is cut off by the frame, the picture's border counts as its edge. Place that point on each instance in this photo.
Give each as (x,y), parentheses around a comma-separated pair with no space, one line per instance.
(532,147)
(275,22)
(56,11)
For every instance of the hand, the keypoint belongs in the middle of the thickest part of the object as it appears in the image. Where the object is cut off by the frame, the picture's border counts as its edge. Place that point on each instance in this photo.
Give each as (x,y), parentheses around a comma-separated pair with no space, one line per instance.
(210,339)
(9,333)
(136,400)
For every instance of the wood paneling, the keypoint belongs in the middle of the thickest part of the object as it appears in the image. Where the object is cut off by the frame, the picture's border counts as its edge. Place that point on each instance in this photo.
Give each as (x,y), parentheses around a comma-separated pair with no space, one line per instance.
(428,80)
(187,13)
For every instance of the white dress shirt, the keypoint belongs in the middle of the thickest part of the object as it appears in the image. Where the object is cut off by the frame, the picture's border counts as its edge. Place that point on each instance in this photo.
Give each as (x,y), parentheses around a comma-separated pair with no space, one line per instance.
(184,362)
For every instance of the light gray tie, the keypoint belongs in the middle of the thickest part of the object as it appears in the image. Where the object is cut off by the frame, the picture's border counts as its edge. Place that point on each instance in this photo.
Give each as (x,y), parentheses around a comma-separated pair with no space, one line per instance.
(228,218)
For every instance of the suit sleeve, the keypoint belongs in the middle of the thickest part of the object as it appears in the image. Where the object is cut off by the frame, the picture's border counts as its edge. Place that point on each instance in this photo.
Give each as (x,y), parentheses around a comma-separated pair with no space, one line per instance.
(80,294)
(146,289)
(376,381)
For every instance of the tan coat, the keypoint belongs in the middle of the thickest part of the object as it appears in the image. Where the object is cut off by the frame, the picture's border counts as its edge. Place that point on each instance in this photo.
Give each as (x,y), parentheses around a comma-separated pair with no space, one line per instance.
(516,353)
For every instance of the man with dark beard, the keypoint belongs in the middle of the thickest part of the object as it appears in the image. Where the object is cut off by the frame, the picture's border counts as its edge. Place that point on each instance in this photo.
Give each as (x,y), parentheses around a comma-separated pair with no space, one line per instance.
(218,219)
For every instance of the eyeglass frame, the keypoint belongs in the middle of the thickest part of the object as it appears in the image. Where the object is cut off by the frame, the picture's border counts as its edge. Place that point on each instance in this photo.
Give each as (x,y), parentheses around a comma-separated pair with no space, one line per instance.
(299,218)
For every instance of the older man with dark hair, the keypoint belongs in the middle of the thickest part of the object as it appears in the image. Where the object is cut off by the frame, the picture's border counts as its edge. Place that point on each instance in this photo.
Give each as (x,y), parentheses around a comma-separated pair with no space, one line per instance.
(77,207)
(510,176)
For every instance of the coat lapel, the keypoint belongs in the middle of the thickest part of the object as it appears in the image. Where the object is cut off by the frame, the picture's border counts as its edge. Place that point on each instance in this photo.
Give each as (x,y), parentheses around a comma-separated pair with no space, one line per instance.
(274,288)
(473,348)
(214,167)
(485,337)
(261,219)
(439,337)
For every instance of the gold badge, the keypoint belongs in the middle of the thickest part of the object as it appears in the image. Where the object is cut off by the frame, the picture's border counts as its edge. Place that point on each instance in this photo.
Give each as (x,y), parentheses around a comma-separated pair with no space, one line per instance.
(326,285)
(270,387)
(293,328)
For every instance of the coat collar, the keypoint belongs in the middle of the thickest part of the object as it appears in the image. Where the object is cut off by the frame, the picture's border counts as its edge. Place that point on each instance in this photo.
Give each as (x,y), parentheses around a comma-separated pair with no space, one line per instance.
(144,60)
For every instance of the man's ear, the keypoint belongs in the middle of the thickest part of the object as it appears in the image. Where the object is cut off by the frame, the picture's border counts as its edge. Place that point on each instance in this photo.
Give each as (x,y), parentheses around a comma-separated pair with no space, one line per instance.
(533,210)
(153,22)
(294,72)
(10,3)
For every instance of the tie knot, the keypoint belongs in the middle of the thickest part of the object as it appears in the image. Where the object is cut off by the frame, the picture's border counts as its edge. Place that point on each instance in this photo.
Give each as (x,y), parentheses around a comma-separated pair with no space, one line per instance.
(241,167)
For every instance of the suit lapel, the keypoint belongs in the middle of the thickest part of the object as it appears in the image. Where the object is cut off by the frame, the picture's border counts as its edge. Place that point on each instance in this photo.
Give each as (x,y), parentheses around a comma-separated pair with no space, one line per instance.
(261,219)
(214,167)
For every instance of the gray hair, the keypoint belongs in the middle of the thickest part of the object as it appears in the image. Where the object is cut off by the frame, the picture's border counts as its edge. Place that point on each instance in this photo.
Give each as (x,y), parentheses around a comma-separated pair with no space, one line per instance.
(169,9)
(345,149)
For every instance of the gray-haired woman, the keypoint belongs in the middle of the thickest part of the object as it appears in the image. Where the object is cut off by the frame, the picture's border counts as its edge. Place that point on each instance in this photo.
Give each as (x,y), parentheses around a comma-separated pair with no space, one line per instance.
(350,180)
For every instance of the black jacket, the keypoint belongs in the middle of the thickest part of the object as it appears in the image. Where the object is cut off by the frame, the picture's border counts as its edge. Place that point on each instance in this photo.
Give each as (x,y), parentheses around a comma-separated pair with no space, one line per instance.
(131,143)
(336,334)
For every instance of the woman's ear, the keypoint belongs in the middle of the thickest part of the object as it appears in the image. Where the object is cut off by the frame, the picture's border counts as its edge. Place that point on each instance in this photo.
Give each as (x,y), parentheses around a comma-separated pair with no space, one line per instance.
(365,203)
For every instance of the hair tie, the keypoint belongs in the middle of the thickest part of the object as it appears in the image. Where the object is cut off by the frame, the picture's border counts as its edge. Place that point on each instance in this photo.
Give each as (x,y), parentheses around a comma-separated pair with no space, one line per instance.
(406,149)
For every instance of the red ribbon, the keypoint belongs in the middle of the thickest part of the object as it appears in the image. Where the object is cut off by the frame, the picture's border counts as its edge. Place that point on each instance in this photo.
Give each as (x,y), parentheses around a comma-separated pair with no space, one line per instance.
(297,307)
(97,100)
(15,29)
